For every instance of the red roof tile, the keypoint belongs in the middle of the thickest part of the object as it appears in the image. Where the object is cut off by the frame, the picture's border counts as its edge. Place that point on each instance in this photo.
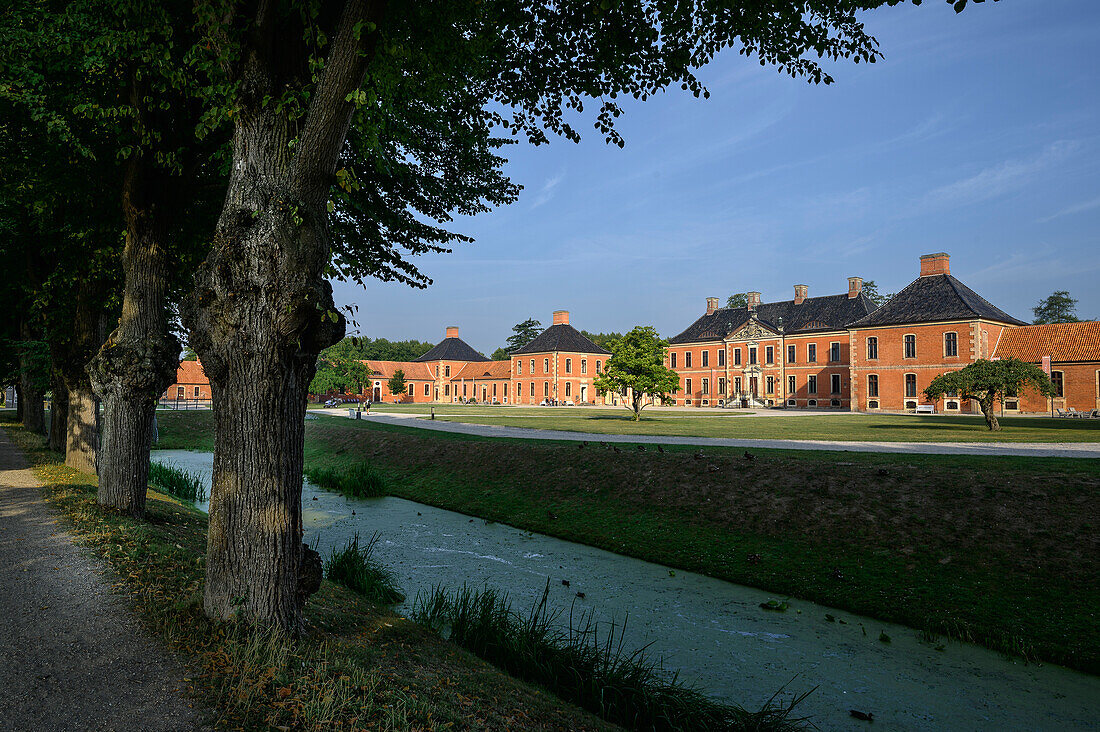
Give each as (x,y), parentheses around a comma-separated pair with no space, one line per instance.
(485,370)
(190,372)
(386,369)
(1063,342)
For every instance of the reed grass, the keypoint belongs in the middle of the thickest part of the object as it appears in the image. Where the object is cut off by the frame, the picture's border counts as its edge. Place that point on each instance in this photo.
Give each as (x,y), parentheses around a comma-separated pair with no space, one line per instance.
(586,663)
(177,482)
(355,567)
(359,481)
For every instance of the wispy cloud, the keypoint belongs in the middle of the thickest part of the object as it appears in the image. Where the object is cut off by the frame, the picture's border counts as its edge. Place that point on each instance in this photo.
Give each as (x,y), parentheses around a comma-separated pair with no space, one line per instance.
(547,191)
(999,179)
(1074,209)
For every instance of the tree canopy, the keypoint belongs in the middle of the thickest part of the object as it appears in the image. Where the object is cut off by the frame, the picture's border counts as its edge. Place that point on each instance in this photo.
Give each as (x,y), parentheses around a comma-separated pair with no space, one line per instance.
(870,290)
(737,300)
(987,381)
(522,334)
(1058,307)
(636,368)
(603,340)
(396,383)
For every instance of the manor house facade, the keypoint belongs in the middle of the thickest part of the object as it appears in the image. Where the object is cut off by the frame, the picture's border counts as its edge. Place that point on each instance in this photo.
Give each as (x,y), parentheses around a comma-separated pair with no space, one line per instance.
(829,352)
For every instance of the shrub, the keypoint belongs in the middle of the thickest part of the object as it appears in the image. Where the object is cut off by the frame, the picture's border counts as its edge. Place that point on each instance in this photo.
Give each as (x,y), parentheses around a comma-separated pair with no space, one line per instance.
(579,664)
(359,481)
(175,481)
(354,567)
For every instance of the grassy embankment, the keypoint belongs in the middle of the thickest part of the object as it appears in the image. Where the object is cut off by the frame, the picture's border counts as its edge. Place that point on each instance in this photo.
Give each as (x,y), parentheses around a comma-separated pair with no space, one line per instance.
(848,427)
(361,666)
(999,550)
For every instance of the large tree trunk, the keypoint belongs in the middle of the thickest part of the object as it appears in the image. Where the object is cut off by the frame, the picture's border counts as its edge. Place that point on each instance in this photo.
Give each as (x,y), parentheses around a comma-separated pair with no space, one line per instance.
(59,413)
(19,401)
(262,311)
(82,429)
(139,359)
(34,414)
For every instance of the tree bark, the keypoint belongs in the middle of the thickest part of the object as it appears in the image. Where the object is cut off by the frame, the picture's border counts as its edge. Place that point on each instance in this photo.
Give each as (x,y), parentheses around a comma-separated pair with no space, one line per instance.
(34,414)
(261,312)
(19,401)
(988,409)
(59,413)
(139,359)
(82,429)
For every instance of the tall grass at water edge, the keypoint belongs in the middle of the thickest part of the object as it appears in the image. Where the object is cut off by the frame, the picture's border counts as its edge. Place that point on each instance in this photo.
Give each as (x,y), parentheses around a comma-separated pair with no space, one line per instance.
(177,482)
(355,567)
(359,481)
(579,664)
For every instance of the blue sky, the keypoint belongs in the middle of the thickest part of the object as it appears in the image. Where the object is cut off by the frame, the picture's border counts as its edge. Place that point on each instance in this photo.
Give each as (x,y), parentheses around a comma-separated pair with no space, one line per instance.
(978,135)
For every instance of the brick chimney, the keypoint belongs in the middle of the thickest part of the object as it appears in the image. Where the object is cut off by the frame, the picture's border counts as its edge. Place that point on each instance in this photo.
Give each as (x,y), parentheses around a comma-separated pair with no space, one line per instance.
(754,300)
(801,292)
(561,317)
(935,264)
(452,331)
(855,286)
(712,305)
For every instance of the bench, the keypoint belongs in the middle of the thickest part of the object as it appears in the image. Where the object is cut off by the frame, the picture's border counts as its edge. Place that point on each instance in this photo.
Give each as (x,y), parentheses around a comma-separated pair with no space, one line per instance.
(926,409)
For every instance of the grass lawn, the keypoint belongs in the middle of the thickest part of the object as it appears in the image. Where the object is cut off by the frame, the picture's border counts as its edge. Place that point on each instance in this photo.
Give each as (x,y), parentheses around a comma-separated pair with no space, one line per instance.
(848,427)
(361,666)
(1004,551)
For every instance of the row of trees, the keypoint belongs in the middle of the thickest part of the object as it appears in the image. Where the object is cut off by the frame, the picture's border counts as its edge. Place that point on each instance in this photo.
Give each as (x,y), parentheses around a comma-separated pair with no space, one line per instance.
(219,162)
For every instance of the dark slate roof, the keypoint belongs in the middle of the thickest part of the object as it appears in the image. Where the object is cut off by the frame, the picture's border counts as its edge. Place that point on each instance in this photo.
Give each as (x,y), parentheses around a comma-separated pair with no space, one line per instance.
(561,338)
(452,349)
(815,314)
(934,298)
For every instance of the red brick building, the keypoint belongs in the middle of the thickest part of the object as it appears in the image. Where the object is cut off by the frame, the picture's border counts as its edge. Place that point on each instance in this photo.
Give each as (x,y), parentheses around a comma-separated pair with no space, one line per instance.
(1069,352)
(560,365)
(793,352)
(934,325)
(191,384)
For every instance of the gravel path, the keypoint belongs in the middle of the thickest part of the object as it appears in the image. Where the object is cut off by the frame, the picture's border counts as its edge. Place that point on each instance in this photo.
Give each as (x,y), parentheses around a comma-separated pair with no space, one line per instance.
(1032,449)
(72,657)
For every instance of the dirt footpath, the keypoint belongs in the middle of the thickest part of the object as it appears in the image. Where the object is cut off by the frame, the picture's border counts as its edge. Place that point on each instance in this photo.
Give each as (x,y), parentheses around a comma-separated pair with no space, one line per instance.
(72,657)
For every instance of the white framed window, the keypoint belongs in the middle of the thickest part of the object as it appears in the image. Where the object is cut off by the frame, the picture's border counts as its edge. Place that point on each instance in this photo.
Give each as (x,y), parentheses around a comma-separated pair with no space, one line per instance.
(687,359)
(872,348)
(752,354)
(584,365)
(519,368)
(427,390)
(872,386)
(1058,379)
(672,360)
(910,346)
(706,358)
(834,384)
(811,384)
(568,391)
(792,354)
(834,352)
(792,385)
(737,357)
(811,352)
(769,354)
(706,386)
(568,365)
(180,393)
(546,388)
(687,386)
(769,385)
(950,345)
(196,392)
(722,356)
(545,365)
(911,385)
(447,371)
(532,367)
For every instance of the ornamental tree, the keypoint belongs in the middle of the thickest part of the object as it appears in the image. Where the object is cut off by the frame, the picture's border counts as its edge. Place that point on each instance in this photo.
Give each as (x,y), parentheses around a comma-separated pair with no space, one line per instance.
(636,368)
(986,382)
(396,384)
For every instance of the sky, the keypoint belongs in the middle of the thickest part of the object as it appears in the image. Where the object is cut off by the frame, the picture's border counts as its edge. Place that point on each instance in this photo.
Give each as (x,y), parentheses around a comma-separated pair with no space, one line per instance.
(978,135)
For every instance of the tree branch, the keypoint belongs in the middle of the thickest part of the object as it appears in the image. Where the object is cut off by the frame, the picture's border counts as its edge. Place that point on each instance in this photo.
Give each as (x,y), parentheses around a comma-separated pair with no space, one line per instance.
(326,124)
